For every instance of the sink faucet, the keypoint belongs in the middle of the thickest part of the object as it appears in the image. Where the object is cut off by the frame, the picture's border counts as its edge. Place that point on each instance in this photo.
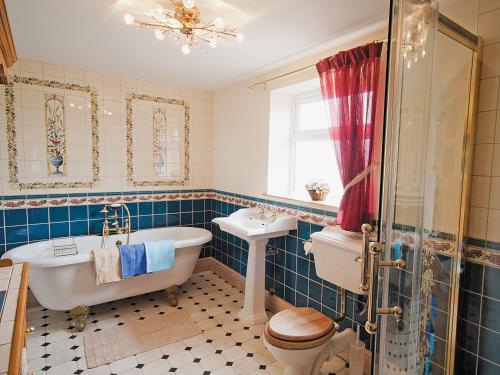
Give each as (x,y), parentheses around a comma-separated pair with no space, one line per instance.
(262,211)
(115,225)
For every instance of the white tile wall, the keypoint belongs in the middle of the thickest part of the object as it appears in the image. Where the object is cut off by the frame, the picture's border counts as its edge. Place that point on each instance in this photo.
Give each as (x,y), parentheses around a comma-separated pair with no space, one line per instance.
(484,218)
(112,90)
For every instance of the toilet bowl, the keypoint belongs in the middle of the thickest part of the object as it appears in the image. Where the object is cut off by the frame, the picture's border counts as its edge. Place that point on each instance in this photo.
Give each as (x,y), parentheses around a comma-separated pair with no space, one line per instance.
(302,339)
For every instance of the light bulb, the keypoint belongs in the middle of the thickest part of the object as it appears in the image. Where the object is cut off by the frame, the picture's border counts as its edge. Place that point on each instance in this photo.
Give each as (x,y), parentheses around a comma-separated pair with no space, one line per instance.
(186,49)
(213,43)
(159,34)
(176,24)
(240,37)
(423,52)
(188,3)
(129,19)
(218,22)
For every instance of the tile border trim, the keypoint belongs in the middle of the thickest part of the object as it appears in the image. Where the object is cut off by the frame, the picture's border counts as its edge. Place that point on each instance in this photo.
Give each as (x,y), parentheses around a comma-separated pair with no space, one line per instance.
(130,154)
(12,133)
(484,255)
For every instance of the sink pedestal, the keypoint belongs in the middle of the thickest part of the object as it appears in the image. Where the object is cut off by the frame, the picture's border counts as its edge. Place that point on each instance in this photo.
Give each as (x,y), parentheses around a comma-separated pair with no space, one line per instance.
(255,227)
(254,308)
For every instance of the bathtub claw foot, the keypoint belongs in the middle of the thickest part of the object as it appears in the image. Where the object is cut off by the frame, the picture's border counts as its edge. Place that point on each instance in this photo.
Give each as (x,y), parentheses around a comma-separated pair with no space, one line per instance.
(171,293)
(80,314)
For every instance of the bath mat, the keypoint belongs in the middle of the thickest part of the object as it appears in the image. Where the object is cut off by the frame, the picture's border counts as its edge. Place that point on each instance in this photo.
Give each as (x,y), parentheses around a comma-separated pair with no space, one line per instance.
(119,342)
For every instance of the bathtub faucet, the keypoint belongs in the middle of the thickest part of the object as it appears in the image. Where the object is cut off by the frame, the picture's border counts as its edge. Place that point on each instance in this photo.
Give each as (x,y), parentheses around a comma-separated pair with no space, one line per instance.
(115,225)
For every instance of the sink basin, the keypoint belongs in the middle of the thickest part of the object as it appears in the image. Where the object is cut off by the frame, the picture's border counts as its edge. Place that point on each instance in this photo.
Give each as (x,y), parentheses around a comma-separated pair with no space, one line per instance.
(256,228)
(248,224)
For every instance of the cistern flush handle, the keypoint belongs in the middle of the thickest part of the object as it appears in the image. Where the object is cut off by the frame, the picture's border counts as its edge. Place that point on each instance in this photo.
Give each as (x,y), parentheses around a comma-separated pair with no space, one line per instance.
(375,248)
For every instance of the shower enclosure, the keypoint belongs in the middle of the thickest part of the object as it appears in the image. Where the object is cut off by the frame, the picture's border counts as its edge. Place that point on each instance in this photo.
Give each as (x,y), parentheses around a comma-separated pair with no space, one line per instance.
(430,104)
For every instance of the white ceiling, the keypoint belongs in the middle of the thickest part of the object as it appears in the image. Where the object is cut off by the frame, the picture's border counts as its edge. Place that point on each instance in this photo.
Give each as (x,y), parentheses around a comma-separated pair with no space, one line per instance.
(91,34)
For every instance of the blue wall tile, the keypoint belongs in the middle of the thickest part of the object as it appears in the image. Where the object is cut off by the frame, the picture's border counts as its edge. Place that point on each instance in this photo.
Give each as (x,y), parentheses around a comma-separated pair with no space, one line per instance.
(145,222)
(469,306)
(159,221)
(78,213)
(38,232)
(160,208)
(186,206)
(18,233)
(38,215)
(78,228)
(173,206)
(488,345)
(492,282)
(60,229)
(16,217)
(145,208)
(133,208)
(490,314)
(186,218)
(486,368)
(199,205)
(58,214)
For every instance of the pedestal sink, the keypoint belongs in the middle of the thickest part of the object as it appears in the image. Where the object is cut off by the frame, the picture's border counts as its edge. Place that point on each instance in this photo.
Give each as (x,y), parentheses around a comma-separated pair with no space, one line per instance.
(256,226)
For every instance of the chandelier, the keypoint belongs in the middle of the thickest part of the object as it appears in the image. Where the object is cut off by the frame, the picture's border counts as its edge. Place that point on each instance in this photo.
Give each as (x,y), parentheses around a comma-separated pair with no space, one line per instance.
(417,26)
(183,24)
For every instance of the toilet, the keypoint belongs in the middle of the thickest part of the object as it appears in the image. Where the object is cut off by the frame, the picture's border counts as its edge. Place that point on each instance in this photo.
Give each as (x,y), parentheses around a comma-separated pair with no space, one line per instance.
(297,336)
(302,338)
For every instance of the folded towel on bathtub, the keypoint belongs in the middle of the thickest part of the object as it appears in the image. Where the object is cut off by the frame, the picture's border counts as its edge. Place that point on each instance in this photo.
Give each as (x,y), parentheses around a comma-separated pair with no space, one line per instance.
(107,265)
(159,255)
(133,260)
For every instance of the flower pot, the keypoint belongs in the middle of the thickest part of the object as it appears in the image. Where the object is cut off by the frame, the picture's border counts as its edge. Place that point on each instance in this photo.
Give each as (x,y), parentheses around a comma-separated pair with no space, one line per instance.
(317,196)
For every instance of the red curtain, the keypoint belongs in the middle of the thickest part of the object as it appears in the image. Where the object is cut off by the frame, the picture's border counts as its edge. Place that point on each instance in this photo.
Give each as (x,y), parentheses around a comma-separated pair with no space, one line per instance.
(350,87)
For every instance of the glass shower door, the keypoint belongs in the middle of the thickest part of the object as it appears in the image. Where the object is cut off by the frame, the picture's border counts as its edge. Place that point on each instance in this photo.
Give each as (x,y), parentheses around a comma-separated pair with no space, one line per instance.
(415,269)
(400,344)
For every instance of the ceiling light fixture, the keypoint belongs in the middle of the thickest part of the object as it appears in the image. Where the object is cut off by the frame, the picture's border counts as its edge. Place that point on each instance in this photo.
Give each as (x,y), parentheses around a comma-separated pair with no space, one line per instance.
(184,24)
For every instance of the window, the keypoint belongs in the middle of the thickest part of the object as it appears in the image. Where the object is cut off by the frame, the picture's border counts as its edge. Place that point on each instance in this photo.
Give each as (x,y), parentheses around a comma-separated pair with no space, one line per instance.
(300,148)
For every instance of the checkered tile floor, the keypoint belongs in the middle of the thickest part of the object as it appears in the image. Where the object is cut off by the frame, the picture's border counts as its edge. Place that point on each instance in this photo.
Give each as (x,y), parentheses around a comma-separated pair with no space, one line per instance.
(226,346)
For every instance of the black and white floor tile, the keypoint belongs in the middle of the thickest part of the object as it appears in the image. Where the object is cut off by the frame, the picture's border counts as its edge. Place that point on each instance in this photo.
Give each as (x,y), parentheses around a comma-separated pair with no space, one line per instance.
(226,346)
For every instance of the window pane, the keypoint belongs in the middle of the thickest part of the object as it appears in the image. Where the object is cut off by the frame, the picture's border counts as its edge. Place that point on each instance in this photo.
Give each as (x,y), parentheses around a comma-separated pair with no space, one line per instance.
(312,116)
(315,160)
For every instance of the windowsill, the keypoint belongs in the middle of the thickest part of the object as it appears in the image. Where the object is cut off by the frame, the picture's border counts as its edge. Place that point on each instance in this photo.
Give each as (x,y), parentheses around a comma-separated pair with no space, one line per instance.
(326,205)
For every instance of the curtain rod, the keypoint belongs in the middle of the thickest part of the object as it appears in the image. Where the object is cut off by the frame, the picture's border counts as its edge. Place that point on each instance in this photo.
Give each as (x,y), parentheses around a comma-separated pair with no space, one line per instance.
(263,82)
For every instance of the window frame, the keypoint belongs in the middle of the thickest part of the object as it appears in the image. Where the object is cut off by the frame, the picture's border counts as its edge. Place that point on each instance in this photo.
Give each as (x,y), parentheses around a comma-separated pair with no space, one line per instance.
(302,135)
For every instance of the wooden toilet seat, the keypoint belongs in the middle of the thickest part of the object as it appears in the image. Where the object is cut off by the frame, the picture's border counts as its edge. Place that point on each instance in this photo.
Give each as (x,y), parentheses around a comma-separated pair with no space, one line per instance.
(299,328)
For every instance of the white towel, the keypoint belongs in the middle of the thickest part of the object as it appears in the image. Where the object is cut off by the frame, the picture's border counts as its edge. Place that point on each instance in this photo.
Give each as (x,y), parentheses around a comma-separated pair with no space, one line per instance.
(107,265)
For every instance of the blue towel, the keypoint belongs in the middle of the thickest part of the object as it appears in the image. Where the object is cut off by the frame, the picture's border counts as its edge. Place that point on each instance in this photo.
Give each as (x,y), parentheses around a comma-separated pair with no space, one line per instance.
(159,255)
(133,260)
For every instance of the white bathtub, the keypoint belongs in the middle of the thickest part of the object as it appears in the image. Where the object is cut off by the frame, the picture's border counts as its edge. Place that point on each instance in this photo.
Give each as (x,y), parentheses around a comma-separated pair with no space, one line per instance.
(62,283)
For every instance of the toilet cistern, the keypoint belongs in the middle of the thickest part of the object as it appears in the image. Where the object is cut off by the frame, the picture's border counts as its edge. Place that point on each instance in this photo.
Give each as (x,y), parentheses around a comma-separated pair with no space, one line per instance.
(256,226)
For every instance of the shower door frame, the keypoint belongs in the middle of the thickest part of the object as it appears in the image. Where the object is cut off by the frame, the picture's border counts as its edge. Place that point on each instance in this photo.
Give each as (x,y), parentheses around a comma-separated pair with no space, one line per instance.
(459,34)
(475,43)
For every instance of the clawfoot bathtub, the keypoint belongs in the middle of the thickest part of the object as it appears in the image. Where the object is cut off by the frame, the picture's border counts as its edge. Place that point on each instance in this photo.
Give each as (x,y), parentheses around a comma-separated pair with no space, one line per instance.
(68,282)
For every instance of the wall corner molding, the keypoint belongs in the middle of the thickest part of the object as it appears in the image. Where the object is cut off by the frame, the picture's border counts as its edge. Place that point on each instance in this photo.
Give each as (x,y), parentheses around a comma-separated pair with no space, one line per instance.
(8,55)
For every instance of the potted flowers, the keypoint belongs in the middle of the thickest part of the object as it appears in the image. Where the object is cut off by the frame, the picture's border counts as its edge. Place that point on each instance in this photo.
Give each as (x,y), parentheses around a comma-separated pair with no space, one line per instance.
(318,190)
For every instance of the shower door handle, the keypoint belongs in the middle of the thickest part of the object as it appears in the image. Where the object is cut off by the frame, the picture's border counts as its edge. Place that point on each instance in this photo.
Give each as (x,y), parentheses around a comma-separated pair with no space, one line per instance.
(363,259)
(375,249)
